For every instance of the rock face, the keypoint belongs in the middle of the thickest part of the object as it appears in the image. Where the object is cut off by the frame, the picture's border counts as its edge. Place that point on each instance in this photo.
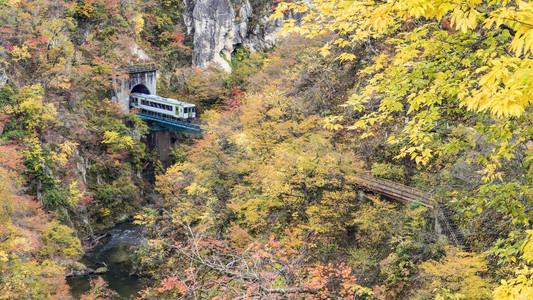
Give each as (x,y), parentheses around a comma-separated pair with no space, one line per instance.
(3,77)
(221,25)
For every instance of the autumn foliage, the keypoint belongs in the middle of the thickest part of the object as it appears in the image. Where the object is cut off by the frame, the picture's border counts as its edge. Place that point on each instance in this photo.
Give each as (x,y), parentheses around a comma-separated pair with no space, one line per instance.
(266,204)
(34,249)
(260,271)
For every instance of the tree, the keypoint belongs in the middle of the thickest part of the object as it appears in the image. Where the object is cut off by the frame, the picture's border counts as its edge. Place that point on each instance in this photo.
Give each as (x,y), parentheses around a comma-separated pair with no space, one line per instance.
(99,290)
(217,270)
(266,167)
(458,275)
(34,249)
(446,82)
(519,285)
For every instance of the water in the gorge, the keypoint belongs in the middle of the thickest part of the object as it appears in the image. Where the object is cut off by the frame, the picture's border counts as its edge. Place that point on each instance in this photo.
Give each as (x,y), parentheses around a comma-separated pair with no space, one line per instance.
(113,252)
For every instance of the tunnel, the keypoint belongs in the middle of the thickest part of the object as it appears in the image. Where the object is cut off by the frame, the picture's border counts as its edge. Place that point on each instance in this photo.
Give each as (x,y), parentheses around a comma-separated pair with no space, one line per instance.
(140,88)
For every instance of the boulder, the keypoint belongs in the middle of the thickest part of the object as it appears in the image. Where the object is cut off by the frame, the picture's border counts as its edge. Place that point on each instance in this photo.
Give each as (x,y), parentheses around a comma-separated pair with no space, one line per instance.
(101,270)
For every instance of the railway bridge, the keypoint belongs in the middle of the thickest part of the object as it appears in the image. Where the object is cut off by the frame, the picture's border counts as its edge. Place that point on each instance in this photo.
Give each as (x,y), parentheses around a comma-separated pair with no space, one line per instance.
(408,195)
(142,78)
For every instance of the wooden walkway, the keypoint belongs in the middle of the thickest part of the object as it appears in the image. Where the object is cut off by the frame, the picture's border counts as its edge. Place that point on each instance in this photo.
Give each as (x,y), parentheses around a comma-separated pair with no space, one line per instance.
(408,195)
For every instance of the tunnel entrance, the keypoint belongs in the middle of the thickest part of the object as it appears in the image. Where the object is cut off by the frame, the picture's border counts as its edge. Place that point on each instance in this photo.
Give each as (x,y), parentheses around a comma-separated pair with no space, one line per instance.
(140,88)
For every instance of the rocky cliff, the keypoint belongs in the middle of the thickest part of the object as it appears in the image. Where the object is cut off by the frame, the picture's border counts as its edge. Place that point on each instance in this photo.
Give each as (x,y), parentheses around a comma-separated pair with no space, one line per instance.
(219,26)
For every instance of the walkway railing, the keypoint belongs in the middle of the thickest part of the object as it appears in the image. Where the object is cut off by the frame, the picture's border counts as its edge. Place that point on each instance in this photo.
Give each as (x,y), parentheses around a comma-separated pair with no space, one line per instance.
(407,194)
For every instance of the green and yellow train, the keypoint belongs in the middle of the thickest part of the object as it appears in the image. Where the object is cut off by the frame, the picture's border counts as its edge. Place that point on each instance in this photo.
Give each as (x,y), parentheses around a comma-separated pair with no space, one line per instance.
(164,108)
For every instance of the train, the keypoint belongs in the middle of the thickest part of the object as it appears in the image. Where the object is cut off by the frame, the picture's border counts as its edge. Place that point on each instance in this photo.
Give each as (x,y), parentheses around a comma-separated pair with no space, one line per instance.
(164,108)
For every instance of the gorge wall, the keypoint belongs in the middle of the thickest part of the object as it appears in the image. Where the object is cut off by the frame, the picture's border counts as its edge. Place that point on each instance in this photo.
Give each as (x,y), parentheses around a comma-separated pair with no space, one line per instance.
(219,26)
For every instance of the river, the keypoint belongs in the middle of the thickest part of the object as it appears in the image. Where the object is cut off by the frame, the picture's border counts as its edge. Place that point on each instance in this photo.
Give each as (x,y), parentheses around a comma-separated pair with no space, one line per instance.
(114,253)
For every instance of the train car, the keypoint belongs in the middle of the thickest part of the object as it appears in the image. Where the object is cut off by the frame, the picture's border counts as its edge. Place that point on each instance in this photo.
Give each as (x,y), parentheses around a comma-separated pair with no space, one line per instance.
(165,108)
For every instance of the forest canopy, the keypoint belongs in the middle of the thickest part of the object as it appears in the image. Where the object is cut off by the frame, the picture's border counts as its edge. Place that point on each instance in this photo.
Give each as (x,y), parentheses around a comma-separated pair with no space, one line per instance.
(432,97)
